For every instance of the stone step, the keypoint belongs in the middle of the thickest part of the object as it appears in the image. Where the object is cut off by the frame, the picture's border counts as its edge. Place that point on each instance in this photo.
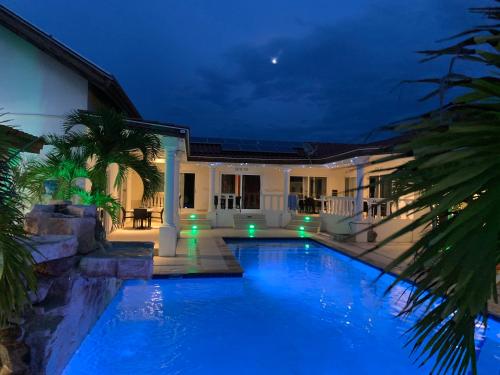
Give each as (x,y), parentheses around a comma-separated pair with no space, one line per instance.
(188,226)
(194,216)
(249,221)
(306,227)
(306,219)
(195,223)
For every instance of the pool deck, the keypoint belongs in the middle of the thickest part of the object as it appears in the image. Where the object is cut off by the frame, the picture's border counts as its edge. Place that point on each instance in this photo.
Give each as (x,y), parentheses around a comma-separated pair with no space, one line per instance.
(204,253)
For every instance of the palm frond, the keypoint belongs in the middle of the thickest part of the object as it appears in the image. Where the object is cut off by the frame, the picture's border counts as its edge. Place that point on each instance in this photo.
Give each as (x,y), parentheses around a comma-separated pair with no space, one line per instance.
(455,175)
(17,277)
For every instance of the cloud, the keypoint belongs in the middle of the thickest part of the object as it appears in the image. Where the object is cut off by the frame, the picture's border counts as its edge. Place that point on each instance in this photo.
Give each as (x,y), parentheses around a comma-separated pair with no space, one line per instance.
(335,82)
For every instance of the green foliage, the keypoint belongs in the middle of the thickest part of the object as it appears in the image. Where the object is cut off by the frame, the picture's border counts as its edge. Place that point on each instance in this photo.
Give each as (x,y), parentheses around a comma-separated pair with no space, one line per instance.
(63,163)
(455,173)
(106,140)
(17,277)
(104,202)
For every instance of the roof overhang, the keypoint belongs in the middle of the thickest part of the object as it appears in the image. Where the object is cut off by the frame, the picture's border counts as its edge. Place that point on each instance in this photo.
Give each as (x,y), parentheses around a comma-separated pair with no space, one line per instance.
(97,77)
(23,141)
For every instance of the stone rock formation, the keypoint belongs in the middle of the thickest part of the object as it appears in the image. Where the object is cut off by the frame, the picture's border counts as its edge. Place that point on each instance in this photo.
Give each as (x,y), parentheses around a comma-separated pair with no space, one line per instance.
(77,278)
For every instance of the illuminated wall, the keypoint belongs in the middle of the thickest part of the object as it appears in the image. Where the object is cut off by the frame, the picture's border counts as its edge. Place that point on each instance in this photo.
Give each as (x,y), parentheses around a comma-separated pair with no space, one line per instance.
(36,89)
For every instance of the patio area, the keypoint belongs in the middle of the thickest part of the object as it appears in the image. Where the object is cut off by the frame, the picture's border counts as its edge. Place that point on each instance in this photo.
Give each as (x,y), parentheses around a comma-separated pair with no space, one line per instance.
(204,252)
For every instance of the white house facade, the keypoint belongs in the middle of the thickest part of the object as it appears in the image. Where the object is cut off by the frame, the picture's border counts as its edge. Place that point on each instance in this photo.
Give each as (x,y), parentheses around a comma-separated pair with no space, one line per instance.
(208,182)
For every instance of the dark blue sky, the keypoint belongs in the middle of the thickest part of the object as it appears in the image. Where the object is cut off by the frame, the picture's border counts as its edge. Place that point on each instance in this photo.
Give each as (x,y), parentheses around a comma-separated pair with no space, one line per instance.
(207,64)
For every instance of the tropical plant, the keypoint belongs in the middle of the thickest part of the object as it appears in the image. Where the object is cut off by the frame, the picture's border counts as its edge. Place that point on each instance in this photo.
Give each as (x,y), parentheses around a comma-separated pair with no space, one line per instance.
(104,202)
(63,163)
(105,140)
(17,277)
(455,175)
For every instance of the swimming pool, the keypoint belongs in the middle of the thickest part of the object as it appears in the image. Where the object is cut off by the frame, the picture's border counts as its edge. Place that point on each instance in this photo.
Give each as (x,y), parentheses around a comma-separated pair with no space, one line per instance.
(300,308)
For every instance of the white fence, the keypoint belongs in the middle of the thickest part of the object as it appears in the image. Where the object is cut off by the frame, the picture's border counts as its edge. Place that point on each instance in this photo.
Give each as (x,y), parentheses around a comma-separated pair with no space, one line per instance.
(373,208)
(342,206)
(267,202)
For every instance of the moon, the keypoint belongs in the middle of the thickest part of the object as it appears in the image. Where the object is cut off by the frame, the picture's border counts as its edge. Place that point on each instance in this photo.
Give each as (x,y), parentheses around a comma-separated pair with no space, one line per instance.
(274,60)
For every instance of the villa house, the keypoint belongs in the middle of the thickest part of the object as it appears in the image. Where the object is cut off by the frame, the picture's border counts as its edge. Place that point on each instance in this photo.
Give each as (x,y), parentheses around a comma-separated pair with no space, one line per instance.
(208,182)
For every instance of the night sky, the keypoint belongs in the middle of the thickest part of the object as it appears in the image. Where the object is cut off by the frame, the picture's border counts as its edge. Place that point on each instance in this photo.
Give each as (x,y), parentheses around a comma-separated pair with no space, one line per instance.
(263,69)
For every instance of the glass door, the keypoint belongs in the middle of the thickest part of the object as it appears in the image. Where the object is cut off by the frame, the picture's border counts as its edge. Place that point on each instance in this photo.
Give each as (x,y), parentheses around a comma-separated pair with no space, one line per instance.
(251,192)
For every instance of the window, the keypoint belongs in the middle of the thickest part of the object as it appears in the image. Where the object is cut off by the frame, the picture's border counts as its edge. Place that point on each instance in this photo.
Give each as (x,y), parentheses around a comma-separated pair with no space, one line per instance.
(304,187)
(350,186)
(228,184)
(380,187)
(297,185)
(317,187)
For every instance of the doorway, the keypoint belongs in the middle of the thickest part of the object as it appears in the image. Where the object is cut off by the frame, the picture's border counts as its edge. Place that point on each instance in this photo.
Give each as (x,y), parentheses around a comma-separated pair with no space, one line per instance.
(251,192)
(187,189)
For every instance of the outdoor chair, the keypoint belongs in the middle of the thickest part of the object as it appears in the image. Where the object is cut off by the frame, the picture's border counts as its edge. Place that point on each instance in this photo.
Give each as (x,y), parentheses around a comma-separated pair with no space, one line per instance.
(125,216)
(302,204)
(157,214)
(142,214)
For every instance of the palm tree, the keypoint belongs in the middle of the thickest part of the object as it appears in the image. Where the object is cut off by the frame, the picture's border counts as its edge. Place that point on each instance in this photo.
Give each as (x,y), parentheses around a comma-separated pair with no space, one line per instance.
(107,140)
(17,277)
(455,173)
(63,163)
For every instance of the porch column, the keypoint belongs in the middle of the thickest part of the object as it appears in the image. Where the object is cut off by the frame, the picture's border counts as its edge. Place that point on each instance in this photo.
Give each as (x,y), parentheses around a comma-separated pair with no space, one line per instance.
(176,181)
(358,200)
(286,190)
(211,187)
(168,230)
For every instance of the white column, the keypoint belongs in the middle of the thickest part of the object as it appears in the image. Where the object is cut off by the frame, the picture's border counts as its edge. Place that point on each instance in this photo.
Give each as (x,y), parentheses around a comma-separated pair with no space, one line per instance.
(168,231)
(286,191)
(211,187)
(358,200)
(176,183)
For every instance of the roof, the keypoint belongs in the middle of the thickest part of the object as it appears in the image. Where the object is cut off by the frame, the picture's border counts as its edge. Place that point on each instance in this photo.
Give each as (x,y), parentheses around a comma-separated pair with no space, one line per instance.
(159,128)
(271,152)
(99,79)
(21,140)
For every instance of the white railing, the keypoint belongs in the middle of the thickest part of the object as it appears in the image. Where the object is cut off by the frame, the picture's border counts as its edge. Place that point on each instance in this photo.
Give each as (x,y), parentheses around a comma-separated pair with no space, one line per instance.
(156,201)
(380,208)
(373,208)
(226,202)
(267,202)
(342,206)
(271,202)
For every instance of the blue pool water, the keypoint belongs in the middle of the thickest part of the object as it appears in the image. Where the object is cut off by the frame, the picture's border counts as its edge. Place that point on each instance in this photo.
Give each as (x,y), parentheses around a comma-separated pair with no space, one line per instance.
(300,308)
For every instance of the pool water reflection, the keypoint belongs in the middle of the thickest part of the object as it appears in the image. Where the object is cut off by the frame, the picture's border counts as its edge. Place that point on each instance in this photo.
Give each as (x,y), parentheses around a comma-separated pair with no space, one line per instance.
(300,308)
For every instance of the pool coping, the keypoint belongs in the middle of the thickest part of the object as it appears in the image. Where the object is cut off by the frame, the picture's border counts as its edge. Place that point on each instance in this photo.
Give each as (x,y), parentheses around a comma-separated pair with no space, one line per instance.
(217,251)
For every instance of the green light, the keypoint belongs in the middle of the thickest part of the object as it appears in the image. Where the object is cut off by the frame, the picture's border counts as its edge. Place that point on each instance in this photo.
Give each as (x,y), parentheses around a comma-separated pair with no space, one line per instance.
(192,216)
(307,218)
(194,227)
(307,246)
(301,228)
(251,226)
